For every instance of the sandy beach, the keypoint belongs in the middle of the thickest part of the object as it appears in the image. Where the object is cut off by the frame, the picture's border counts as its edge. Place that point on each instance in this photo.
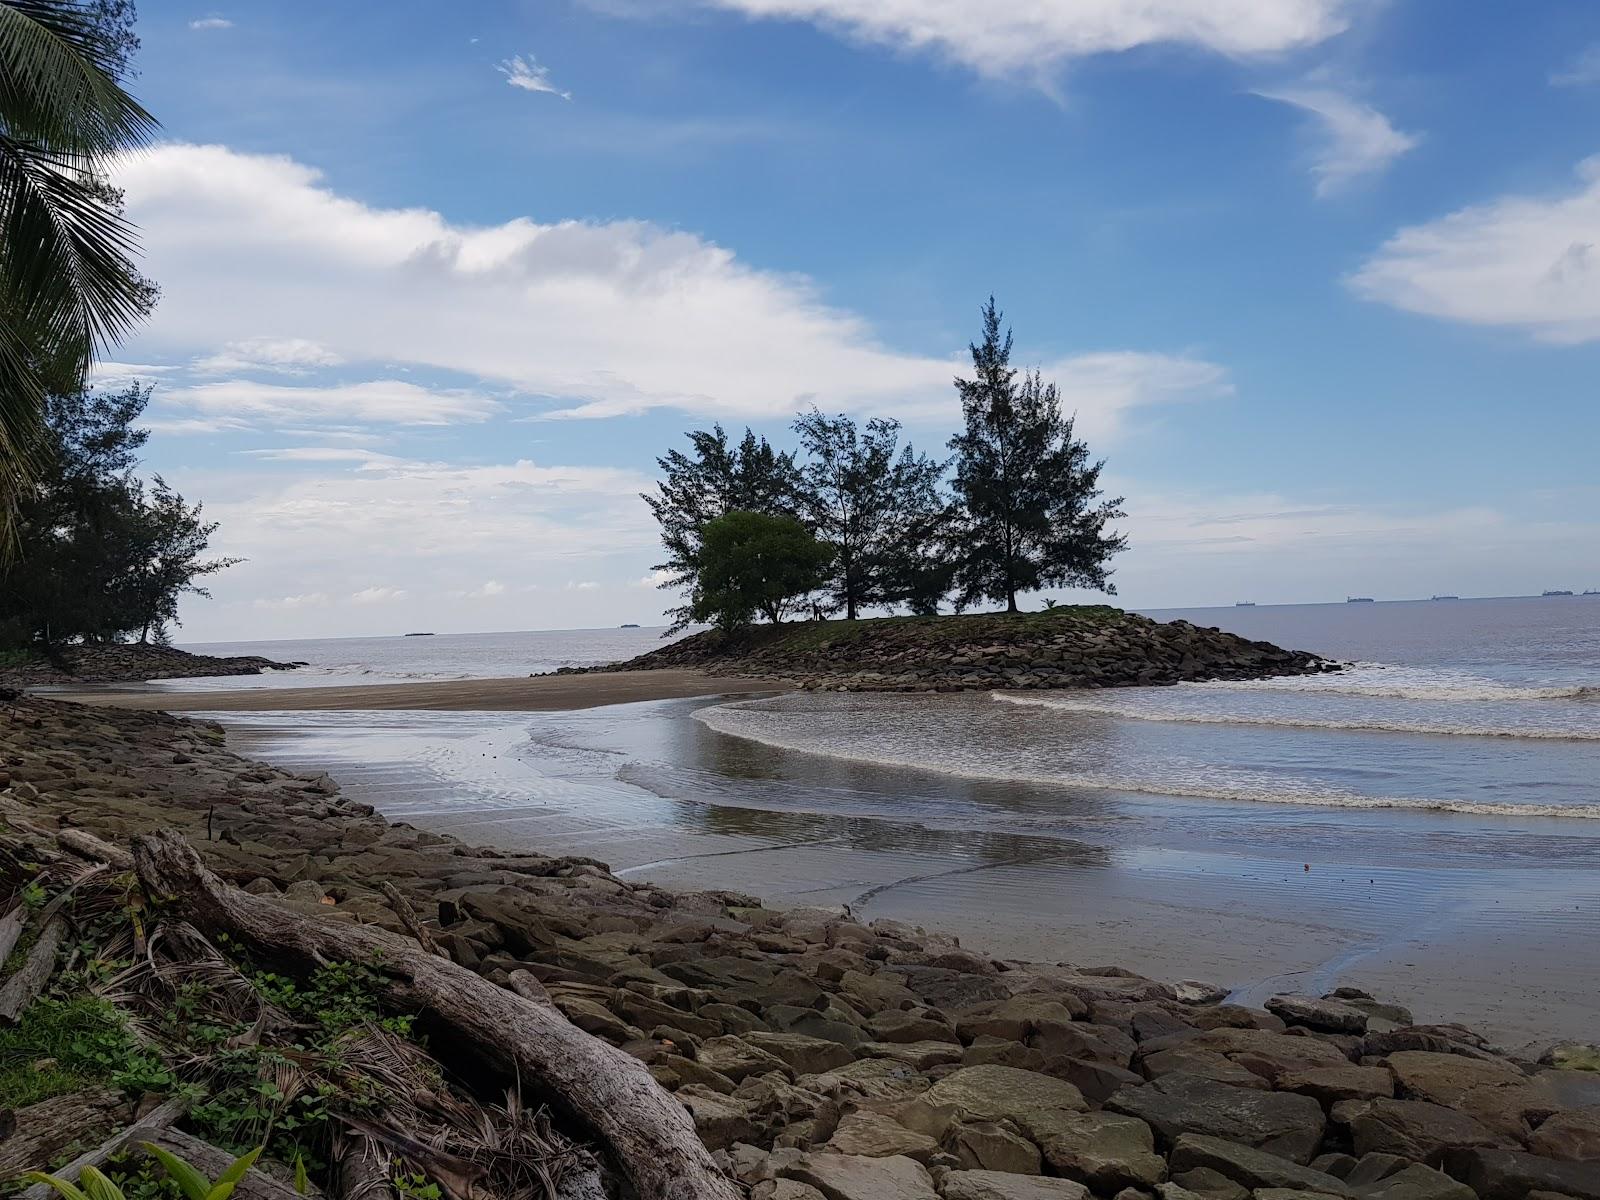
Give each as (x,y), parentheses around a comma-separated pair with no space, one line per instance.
(541,693)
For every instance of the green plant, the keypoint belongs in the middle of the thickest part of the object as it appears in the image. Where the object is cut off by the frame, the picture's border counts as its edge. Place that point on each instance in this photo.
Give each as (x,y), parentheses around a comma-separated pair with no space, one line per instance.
(415,1186)
(62,1046)
(94,1185)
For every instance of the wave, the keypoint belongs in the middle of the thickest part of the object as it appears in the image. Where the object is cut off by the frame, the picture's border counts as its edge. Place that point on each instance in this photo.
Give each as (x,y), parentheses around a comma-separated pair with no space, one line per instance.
(1430,686)
(1366,725)
(727,719)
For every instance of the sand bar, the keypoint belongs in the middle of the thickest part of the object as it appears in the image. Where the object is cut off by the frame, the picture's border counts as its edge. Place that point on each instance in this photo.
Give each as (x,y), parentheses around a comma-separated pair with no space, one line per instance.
(538,693)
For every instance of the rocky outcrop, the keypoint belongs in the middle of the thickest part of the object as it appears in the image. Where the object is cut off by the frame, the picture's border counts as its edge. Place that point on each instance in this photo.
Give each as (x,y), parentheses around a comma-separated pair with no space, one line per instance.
(1070,647)
(818,1056)
(129,663)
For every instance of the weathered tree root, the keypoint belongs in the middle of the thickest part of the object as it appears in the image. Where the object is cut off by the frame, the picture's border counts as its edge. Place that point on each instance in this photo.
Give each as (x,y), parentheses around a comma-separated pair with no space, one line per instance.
(647,1134)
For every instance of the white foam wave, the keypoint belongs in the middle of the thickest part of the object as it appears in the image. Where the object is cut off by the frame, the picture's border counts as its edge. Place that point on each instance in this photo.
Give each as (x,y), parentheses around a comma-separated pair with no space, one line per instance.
(1378,682)
(1286,721)
(730,719)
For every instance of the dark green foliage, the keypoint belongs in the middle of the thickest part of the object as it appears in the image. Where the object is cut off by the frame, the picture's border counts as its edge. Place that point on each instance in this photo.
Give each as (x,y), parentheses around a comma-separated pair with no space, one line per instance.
(1029,507)
(874,505)
(85,1041)
(749,563)
(715,479)
(102,555)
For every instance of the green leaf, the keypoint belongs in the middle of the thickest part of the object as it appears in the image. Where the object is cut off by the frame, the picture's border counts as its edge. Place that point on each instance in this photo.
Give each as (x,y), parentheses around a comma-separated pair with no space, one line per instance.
(65,1187)
(229,1179)
(191,1182)
(97,1187)
(302,1183)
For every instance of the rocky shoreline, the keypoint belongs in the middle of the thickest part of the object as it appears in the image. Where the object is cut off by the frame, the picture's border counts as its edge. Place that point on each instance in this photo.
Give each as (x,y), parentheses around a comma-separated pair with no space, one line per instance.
(130,663)
(822,1059)
(1064,647)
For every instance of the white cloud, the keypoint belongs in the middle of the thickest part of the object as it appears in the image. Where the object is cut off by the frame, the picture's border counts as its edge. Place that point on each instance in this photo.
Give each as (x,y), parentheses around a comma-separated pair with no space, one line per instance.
(378,595)
(603,318)
(292,603)
(286,355)
(211,22)
(1356,139)
(527,74)
(654,580)
(1582,71)
(1001,37)
(488,591)
(1527,262)
(324,454)
(388,401)
(586,585)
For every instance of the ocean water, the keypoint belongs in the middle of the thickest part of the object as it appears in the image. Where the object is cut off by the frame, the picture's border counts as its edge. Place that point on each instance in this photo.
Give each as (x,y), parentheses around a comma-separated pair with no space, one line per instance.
(342,662)
(1423,824)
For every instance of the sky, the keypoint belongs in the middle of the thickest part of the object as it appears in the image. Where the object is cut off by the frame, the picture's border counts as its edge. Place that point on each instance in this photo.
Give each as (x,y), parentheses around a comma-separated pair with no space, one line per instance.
(439,282)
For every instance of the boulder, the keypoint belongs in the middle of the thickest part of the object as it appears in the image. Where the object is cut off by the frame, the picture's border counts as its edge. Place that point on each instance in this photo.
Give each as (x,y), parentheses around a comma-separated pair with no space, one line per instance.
(1036,1103)
(1412,1129)
(736,1058)
(1097,1081)
(784,1189)
(1105,1150)
(853,1177)
(806,1055)
(1417,1182)
(719,1120)
(1333,1084)
(873,1135)
(1279,1122)
(1497,1093)
(1197,1060)
(1247,1167)
(1213,1185)
(996,1185)
(1513,1174)
(1332,1016)
(1573,1136)
(988,1146)
(1018,1017)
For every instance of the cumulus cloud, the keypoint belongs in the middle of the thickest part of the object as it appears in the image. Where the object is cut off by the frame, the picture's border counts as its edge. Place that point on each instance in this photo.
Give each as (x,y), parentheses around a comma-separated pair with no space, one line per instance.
(387,401)
(1001,37)
(304,600)
(527,74)
(1525,262)
(1356,140)
(211,22)
(287,355)
(378,595)
(597,319)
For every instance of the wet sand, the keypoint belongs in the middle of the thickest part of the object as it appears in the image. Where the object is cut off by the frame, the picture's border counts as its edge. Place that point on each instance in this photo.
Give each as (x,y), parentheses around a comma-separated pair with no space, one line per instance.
(539,693)
(1179,891)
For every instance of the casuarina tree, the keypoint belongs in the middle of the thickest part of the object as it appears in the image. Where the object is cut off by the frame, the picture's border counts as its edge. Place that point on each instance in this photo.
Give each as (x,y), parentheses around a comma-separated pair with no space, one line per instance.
(1029,510)
(865,499)
(715,478)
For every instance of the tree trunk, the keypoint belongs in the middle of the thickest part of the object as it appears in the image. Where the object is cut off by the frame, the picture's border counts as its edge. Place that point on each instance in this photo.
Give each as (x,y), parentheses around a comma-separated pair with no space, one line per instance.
(609,1094)
(42,1131)
(141,1131)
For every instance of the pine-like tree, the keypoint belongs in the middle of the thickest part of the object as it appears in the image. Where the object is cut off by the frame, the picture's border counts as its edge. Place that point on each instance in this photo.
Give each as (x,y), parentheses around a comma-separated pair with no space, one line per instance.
(864,497)
(714,479)
(1029,510)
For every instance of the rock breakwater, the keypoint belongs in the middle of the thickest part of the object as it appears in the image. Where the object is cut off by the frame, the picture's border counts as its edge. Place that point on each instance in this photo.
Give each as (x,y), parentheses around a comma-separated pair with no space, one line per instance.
(822,1058)
(129,663)
(1067,647)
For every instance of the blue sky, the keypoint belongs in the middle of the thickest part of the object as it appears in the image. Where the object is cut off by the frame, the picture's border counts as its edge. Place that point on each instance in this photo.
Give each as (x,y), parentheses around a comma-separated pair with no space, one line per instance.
(440,281)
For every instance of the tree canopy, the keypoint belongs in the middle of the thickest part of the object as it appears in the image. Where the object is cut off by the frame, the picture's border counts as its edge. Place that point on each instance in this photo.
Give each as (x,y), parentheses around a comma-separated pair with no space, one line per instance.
(68,284)
(752,562)
(1029,510)
(103,555)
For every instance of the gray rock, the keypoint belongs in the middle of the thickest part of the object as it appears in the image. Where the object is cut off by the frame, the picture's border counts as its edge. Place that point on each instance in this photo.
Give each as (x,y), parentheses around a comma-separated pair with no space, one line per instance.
(1105,1150)
(1213,1185)
(1278,1122)
(1247,1167)
(1512,1174)
(1334,1016)
(1333,1084)
(989,1146)
(1418,1182)
(1412,1129)
(1036,1103)
(874,1135)
(806,1055)
(996,1185)
(851,1177)
(1573,1136)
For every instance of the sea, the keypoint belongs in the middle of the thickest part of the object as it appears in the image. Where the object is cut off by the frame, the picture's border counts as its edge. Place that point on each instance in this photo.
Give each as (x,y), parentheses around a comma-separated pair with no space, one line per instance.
(1425,822)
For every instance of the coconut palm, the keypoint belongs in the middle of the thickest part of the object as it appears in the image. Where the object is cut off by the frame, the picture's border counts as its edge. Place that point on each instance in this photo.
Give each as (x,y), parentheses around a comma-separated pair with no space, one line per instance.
(68,286)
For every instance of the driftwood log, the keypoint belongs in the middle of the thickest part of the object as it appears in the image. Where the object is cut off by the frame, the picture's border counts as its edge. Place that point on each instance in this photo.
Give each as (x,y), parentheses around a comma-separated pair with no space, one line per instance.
(11,927)
(86,845)
(29,979)
(146,1129)
(647,1134)
(40,1132)
(255,1184)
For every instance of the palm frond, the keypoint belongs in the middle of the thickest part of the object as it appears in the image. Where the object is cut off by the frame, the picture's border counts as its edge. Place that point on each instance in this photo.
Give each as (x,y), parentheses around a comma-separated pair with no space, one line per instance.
(58,81)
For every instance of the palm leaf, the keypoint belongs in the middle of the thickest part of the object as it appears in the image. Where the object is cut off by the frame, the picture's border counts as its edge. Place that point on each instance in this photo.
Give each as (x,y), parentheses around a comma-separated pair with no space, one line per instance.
(58,80)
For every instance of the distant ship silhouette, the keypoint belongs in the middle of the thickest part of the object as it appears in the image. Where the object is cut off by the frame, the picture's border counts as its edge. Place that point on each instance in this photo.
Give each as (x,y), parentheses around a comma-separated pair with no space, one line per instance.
(1359,600)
